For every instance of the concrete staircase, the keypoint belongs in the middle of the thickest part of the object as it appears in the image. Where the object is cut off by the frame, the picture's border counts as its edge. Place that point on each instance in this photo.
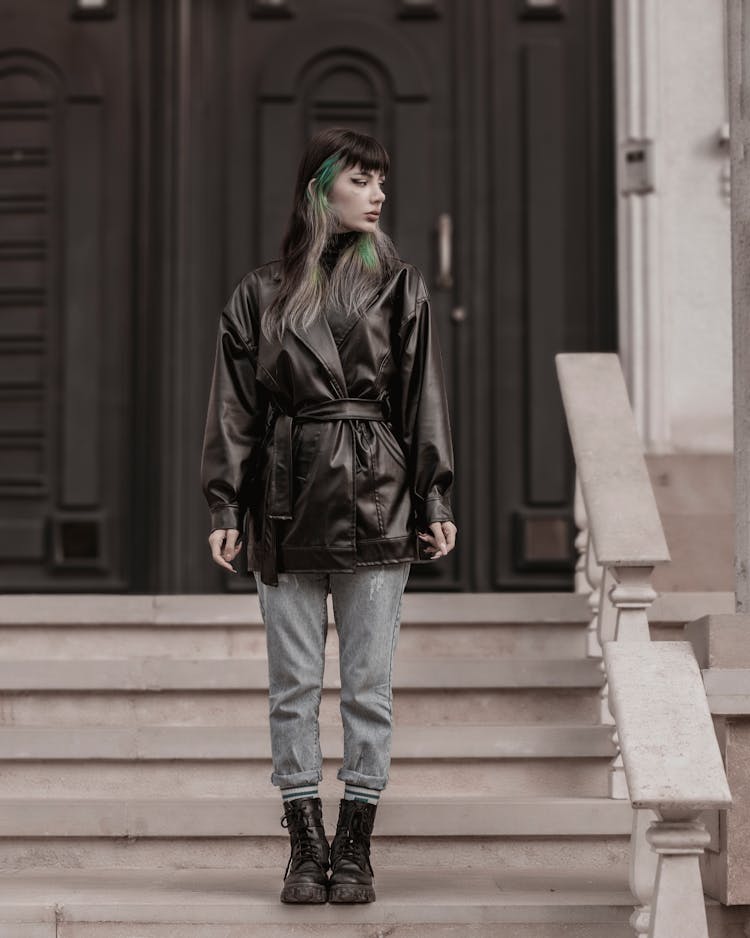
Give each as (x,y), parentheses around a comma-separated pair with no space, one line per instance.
(135,794)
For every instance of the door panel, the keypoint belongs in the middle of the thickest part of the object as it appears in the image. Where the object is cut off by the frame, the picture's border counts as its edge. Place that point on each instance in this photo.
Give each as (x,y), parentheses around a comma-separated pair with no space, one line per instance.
(378,72)
(64,327)
(552,283)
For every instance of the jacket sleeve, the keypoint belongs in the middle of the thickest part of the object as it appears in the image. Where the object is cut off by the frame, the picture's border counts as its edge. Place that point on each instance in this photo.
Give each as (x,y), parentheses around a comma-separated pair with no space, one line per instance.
(237,408)
(423,412)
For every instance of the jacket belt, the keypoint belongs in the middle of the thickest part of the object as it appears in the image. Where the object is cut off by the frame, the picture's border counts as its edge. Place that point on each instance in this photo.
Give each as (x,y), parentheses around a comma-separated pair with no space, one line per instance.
(279,503)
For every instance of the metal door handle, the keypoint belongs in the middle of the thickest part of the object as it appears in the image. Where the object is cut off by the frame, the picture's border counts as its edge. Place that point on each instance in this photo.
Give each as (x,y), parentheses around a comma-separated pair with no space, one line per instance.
(445,251)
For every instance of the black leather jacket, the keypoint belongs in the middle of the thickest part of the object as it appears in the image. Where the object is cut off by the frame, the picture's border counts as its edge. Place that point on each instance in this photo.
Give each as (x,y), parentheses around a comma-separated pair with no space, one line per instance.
(328,456)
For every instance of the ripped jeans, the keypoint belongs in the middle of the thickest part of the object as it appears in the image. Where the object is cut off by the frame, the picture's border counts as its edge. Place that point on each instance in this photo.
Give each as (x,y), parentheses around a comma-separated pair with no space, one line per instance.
(367,613)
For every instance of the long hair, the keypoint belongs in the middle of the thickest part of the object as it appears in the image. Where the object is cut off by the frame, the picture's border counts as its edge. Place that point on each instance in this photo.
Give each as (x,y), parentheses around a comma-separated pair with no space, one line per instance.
(365,262)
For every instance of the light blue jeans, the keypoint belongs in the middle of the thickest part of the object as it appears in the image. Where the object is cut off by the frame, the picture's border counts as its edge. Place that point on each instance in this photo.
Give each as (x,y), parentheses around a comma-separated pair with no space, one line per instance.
(367,614)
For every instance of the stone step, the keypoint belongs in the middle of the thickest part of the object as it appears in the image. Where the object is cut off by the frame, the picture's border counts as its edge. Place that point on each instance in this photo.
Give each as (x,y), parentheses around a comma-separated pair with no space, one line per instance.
(228,627)
(217,640)
(215,743)
(168,673)
(436,817)
(227,903)
(514,853)
(241,779)
(234,762)
(216,899)
(238,610)
(449,706)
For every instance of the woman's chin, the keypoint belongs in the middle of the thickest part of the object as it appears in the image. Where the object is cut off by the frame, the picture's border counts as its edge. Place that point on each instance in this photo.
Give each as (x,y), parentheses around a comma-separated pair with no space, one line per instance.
(364,226)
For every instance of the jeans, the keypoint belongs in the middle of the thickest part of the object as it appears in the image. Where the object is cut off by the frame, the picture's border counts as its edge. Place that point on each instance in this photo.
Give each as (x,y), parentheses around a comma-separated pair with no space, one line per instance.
(367,613)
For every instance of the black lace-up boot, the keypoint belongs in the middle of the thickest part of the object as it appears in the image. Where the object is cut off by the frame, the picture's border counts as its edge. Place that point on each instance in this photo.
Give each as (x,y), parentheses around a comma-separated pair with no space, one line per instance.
(305,877)
(351,870)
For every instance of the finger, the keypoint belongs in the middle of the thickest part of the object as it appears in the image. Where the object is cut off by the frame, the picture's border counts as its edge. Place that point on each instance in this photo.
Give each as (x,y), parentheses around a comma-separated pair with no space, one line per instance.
(437,529)
(231,540)
(220,560)
(233,544)
(429,544)
(429,547)
(215,540)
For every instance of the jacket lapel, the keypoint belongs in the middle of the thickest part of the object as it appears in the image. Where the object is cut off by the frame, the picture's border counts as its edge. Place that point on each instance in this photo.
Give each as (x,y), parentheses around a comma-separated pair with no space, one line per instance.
(320,341)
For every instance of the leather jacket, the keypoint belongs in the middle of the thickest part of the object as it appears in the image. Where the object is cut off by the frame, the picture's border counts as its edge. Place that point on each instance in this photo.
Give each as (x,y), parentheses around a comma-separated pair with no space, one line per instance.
(328,453)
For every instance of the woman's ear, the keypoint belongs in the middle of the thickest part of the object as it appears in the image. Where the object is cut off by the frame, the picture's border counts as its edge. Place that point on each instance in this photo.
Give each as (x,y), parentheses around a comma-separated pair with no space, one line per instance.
(310,186)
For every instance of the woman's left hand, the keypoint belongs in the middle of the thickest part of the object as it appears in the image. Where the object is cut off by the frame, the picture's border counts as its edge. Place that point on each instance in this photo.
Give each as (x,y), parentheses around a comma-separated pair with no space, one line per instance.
(442,540)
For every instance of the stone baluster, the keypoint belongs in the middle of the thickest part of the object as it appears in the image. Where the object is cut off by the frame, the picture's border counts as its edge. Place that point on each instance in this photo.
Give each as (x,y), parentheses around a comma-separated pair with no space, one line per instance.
(678,906)
(629,597)
(581,582)
(607,626)
(607,609)
(594,578)
(632,595)
(642,870)
(588,573)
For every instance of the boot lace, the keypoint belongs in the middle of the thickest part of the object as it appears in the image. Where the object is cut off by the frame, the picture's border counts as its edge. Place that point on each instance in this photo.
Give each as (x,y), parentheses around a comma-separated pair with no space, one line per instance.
(303,845)
(351,844)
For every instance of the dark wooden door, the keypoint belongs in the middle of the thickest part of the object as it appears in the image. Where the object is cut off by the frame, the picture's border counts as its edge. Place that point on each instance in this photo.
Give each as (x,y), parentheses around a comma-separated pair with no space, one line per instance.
(66,171)
(183,135)
(384,71)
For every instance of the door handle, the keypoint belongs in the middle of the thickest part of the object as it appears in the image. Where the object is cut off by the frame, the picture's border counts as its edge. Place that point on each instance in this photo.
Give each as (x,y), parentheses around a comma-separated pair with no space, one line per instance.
(445,251)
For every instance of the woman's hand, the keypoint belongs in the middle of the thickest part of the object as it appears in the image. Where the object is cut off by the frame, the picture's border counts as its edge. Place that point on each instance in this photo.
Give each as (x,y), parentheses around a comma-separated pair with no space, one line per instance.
(442,540)
(230,550)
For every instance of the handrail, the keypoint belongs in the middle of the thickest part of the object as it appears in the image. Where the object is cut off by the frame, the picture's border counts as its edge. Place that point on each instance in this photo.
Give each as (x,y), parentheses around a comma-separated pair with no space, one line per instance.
(620,502)
(620,540)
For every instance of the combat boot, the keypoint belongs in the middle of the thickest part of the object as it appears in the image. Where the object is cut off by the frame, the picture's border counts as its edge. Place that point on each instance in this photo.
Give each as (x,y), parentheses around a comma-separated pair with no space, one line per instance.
(305,878)
(351,870)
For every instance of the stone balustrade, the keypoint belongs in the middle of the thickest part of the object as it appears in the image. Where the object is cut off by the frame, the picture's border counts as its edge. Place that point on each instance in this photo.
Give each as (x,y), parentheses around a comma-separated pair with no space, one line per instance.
(668,761)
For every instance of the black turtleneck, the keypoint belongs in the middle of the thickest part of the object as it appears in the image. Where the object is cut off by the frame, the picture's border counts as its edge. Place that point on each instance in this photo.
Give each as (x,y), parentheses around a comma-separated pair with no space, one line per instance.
(334,246)
(336,243)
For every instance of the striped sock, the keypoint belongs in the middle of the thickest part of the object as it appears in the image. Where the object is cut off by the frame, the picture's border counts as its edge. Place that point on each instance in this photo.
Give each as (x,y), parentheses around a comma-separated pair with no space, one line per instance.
(360,793)
(299,791)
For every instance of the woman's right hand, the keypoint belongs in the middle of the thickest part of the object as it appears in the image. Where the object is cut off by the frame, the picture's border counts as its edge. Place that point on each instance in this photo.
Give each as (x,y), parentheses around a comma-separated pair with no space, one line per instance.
(224,553)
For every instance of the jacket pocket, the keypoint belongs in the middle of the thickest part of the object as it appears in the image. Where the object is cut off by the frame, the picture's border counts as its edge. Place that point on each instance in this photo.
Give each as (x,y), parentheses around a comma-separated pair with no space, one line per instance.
(388,485)
(388,441)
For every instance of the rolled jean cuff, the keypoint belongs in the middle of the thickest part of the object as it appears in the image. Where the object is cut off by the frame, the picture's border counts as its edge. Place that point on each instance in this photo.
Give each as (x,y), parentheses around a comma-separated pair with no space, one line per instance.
(357,778)
(296,778)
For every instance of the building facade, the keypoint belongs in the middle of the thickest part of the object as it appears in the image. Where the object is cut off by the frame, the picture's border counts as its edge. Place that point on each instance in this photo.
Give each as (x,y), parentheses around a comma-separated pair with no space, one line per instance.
(560,174)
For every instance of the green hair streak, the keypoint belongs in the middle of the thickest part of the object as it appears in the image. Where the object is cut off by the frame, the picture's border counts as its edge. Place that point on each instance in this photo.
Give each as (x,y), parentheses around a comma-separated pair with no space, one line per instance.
(366,251)
(325,175)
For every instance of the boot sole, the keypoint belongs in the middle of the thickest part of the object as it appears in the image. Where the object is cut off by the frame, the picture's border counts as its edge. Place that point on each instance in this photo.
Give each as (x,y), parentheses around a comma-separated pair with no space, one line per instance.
(351,893)
(304,893)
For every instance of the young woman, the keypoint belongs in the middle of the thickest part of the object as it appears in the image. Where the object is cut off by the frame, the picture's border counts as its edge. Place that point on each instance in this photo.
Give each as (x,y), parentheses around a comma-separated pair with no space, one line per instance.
(328,445)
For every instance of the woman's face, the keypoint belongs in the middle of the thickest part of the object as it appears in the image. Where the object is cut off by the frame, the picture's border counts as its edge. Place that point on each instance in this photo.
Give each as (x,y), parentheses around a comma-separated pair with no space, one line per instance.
(357,198)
